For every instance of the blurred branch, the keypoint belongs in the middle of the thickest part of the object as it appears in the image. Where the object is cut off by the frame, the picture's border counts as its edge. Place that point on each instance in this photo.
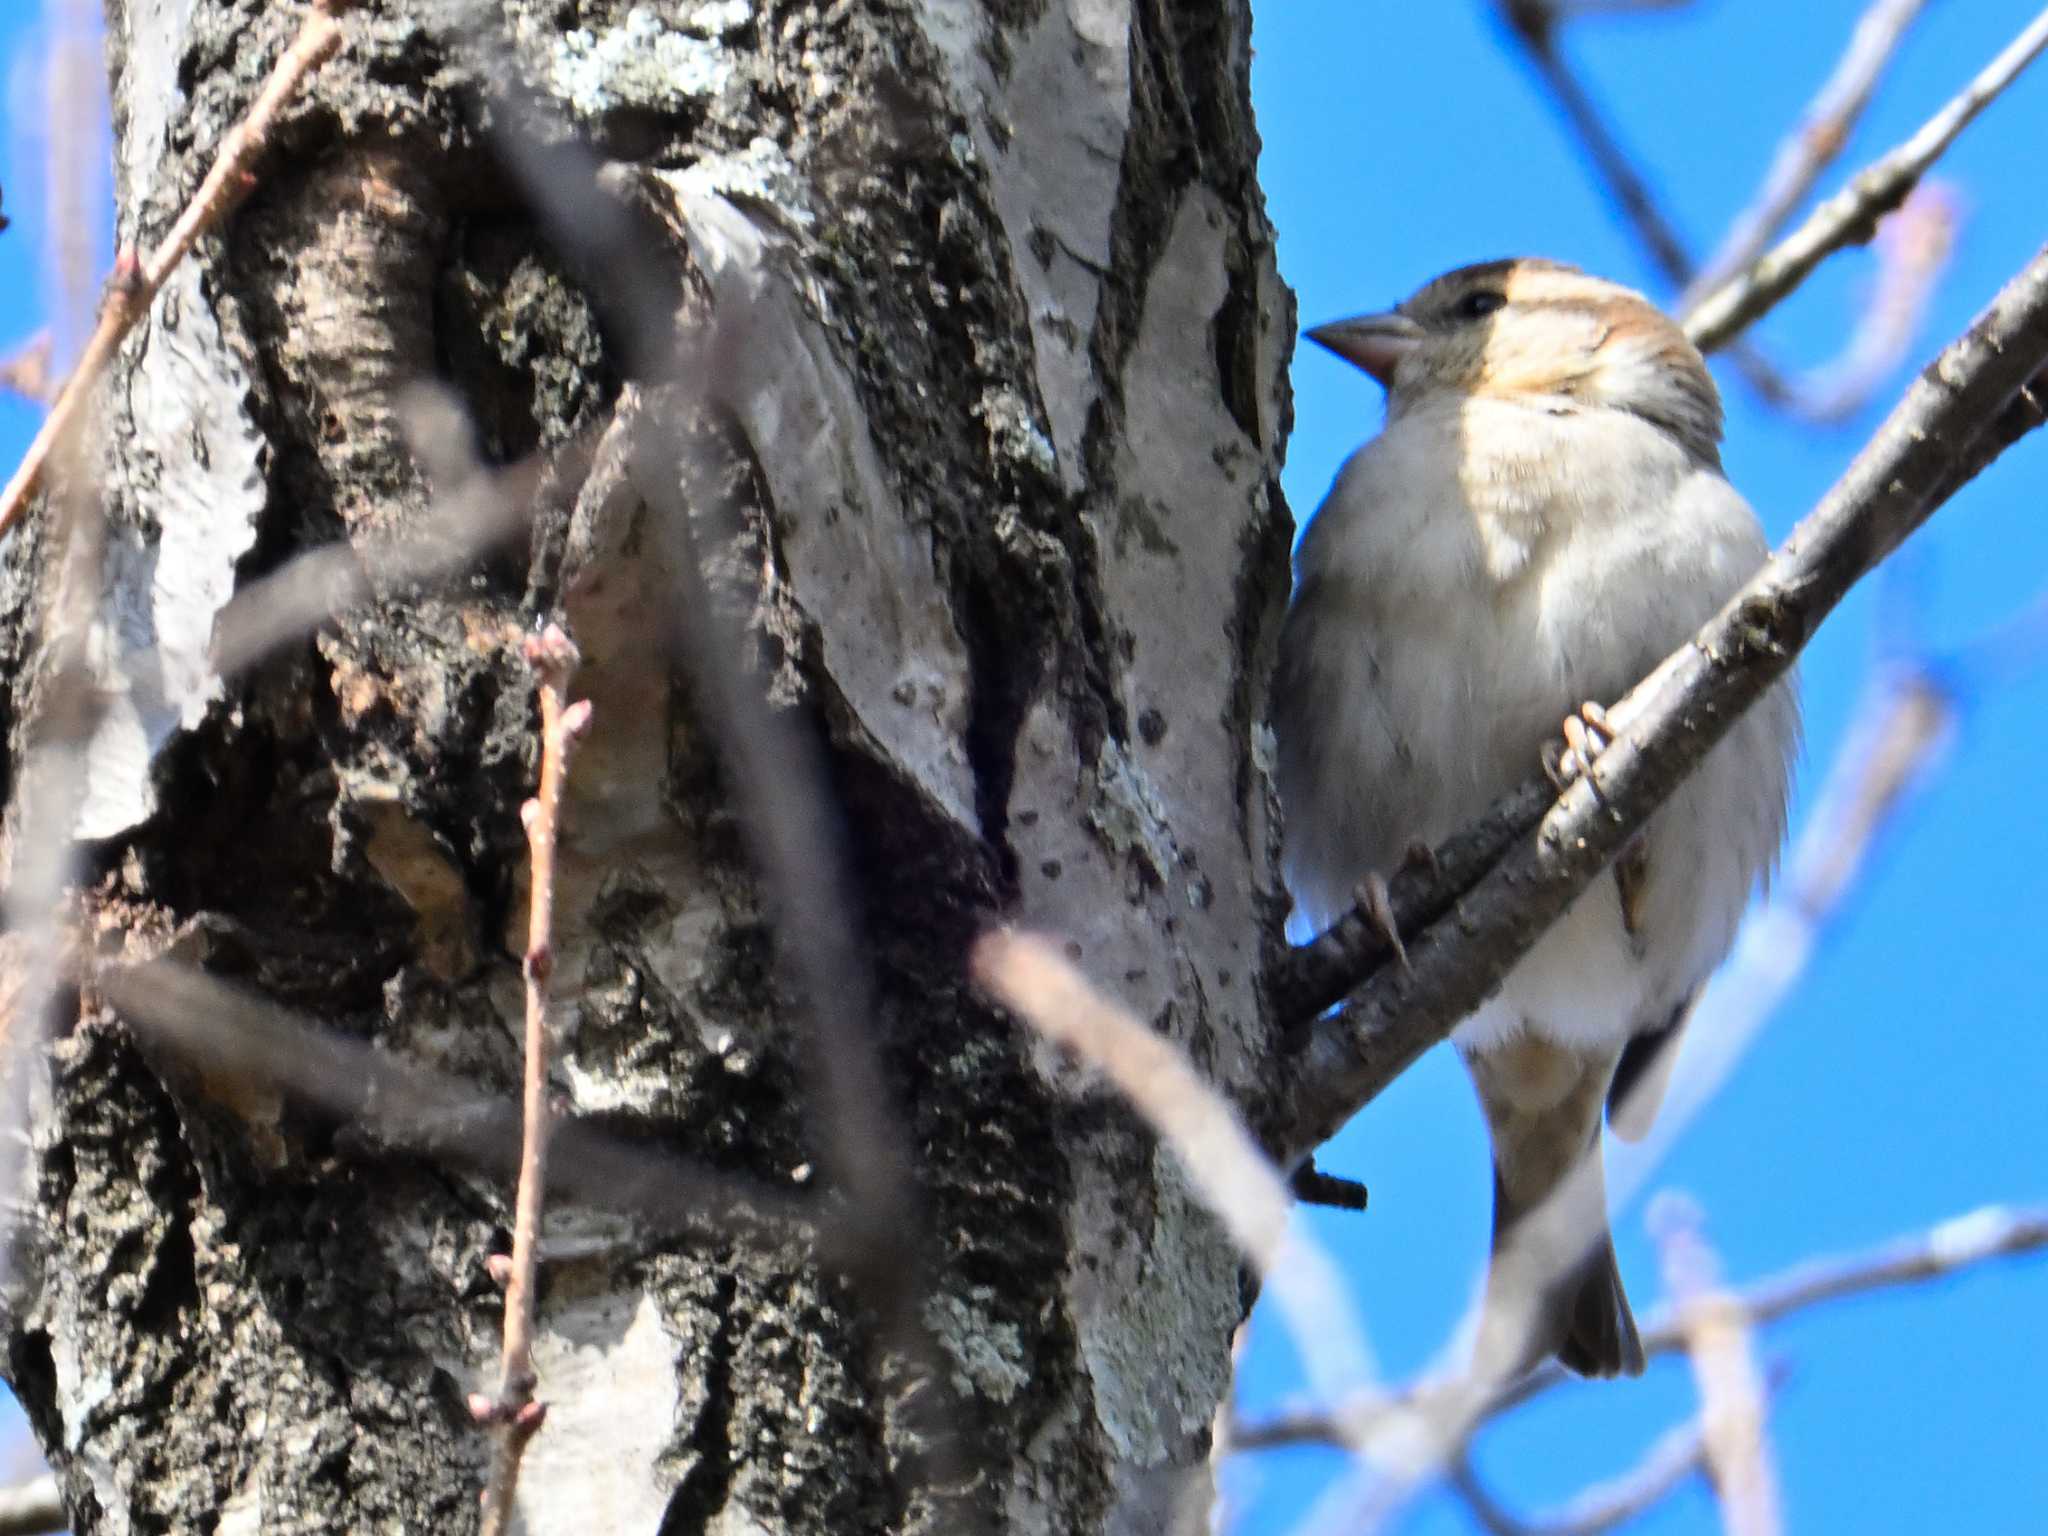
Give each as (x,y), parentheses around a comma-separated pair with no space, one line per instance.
(1851,215)
(1960,1243)
(1233,1178)
(514,1413)
(1813,145)
(32,1508)
(135,281)
(773,761)
(244,1048)
(1720,1338)
(1534,23)
(1677,1455)
(1912,247)
(26,371)
(1965,403)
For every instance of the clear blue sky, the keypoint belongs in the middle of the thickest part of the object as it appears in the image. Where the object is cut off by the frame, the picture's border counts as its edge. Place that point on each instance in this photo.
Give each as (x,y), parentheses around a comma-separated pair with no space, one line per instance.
(1906,1079)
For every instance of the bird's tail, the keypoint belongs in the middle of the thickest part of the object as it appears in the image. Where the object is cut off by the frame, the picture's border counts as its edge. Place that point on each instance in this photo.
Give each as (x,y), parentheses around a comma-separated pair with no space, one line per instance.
(1553,1287)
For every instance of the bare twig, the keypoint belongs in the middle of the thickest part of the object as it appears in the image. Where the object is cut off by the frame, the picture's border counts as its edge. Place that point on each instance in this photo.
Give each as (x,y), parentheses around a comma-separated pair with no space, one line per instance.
(474,507)
(1964,403)
(1851,215)
(1913,246)
(135,282)
(32,1508)
(1229,1172)
(1960,1243)
(514,1412)
(1534,23)
(244,1047)
(1720,1339)
(1814,143)
(774,765)
(1677,1456)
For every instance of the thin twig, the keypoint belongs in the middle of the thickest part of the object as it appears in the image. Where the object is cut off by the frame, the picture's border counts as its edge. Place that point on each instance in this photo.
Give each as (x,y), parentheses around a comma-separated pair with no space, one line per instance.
(1851,215)
(1720,1339)
(1229,1172)
(1814,143)
(133,287)
(241,1042)
(1535,23)
(1963,403)
(514,1412)
(1676,1456)
(1951,1247)
(775,768)
(1912,247)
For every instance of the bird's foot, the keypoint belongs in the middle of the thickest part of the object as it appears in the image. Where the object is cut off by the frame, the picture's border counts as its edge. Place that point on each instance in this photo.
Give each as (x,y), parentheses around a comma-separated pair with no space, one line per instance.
(1587,733)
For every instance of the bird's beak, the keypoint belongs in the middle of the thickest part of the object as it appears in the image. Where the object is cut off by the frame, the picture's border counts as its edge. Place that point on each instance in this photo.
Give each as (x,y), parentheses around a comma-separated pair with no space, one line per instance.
(1375,343)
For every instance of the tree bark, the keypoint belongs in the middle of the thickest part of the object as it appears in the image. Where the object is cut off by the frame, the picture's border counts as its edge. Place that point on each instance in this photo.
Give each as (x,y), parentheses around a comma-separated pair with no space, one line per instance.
(982,450)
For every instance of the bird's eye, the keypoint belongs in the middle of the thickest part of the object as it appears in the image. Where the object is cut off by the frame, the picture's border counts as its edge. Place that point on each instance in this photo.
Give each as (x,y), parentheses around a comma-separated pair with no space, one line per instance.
(1478,304)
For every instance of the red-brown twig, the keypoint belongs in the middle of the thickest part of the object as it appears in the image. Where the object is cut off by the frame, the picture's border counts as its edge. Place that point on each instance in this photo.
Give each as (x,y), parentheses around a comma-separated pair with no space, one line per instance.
(1814,143)
(1851,215)
(514,1412)
(135,281)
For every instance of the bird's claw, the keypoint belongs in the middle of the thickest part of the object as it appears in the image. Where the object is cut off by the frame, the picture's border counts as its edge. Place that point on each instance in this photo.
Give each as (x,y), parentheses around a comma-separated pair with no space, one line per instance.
(1587,733)
(1377,908)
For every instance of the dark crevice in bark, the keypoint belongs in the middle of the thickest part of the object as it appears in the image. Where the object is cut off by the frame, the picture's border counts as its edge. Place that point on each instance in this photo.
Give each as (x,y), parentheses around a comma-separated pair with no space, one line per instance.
(706,1484)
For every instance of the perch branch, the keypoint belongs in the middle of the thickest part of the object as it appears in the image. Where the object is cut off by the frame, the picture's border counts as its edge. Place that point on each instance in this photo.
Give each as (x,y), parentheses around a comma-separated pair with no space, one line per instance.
(135,281)
(1850,216)
(1958,415)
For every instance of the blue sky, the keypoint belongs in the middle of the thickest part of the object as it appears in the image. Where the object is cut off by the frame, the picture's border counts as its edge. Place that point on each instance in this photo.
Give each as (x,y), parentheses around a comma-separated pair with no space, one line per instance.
(1905,1079)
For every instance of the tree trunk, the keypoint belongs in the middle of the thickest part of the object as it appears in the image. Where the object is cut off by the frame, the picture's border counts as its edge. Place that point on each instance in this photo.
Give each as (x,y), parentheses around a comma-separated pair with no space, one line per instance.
(980,439)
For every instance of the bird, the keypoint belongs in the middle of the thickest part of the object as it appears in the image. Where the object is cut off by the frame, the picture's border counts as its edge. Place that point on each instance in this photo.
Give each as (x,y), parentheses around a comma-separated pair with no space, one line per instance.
(1541,521)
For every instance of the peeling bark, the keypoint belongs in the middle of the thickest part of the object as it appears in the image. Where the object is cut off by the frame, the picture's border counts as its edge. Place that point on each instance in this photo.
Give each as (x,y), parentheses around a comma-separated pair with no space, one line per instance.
(997,505)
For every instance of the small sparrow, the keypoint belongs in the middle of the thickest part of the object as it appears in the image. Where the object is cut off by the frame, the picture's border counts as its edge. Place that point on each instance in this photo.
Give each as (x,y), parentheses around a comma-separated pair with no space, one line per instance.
(1542,521)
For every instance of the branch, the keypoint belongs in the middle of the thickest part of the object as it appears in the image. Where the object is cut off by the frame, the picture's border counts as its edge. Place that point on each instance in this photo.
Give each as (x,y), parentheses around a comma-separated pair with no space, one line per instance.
(1677,1455)
(248,1050)
(1814,143)
(1850,216)
(1233,1178)
(134,284)
(1720,1337)
(32,1508)
(514,1412)
(1534,23)
(1954,419)
(1960,1243)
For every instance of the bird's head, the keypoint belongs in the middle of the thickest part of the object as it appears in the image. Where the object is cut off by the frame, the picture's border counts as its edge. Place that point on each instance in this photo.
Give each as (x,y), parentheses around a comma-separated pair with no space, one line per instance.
(1538,331)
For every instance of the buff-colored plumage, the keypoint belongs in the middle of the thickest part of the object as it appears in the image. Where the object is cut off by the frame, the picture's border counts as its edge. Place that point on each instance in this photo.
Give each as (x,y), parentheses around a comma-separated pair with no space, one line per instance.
(1542,521)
